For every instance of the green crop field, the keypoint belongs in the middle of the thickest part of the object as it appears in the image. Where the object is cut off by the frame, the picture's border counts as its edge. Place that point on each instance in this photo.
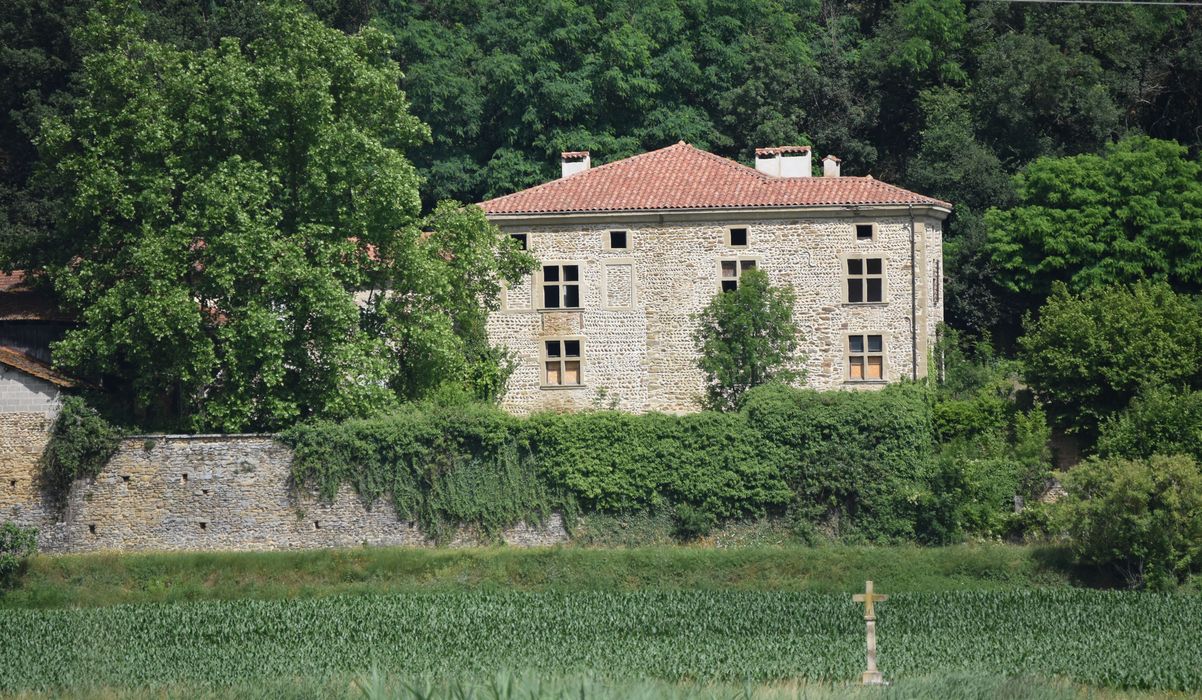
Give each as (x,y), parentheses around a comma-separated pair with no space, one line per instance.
(1099,638)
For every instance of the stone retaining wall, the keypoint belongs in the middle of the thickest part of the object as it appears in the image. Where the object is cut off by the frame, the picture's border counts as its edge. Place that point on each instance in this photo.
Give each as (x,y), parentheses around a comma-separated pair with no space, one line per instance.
(200,492)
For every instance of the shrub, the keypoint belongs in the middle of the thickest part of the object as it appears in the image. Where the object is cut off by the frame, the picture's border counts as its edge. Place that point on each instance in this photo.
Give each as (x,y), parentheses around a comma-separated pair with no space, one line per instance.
(693,522)
(81,443)
(1158,421)
(1143,517)
(617,462)
(17,544)
(856,460)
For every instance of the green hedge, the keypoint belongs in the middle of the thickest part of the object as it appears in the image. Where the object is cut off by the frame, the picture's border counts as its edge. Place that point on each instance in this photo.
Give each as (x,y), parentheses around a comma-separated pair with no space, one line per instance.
(859,466)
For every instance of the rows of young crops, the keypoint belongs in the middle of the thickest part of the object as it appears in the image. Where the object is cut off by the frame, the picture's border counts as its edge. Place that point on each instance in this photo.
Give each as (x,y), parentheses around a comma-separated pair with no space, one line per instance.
(1102,638)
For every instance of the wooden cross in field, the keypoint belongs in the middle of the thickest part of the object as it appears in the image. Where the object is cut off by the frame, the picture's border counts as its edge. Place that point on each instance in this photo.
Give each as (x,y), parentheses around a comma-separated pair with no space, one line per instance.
(871,676)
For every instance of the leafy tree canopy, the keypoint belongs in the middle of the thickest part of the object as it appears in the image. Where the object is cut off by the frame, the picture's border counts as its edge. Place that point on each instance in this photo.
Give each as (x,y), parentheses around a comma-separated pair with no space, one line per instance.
(1087,355)
(217,211)
(1128,214)
(746,338)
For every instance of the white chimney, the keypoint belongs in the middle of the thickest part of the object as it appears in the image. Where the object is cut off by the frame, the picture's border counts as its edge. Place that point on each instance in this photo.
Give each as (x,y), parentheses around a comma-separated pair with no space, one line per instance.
(830,166)
(574,162)
(783,161)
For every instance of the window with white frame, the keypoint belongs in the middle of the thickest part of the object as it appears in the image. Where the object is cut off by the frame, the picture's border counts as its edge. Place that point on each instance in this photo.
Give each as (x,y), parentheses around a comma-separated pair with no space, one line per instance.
(865,358)
(865,280)
(561,286)
(731,270)
(562,358)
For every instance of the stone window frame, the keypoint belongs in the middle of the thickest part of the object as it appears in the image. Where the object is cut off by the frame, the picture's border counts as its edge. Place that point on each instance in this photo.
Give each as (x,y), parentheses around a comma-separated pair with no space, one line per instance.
(845,277)
(855,231)
(726,236)
(848,354)
(739,267)
(607,239)
(539,282)
(544,359)
(634,286)
(522,237)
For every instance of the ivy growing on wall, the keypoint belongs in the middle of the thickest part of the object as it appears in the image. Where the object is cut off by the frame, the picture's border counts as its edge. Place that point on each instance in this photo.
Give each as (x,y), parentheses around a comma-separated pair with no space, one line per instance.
(856,466)
(440,466)
(81,443)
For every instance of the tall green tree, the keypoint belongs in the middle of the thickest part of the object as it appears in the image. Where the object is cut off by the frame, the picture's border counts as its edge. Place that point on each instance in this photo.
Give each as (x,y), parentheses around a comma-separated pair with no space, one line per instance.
(1126,215)
(746,337)
(1088,355)
(217,212)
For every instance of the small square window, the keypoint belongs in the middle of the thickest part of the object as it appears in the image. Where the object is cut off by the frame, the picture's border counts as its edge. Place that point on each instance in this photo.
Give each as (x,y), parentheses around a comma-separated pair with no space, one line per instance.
(617,240)
(737,237)
(553,348)
(571,348)
(864,232)
(521,239)
(874,266)
(855,266)
(746,265)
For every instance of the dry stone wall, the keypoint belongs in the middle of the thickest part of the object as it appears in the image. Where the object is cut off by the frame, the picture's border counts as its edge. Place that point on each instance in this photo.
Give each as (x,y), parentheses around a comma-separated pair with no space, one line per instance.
(200,492)
(638,304)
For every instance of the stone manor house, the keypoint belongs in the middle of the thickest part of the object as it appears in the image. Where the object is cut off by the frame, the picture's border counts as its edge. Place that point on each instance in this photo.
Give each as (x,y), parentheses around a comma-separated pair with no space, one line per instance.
(630,251)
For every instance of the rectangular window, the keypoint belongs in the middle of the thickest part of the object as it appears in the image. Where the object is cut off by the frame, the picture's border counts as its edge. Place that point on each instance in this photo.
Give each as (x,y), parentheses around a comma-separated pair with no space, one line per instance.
(864,232)
(865,280)
(731,271)
(561,362)
(618,240)
(865,358)
(561,286)
(521,239)
(736,237)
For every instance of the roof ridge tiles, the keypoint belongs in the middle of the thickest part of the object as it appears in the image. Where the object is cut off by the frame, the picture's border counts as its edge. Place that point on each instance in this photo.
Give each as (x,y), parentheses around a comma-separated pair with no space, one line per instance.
(682,176)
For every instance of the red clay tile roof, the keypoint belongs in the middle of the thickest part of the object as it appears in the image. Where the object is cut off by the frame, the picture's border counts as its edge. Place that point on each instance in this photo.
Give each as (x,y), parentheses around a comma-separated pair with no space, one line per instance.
(14,280)
(684,177)
(20,361)
(21,301)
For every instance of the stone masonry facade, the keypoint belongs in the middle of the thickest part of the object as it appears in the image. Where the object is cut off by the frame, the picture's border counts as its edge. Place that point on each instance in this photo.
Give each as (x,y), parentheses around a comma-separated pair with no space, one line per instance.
(638,304)
(200,492)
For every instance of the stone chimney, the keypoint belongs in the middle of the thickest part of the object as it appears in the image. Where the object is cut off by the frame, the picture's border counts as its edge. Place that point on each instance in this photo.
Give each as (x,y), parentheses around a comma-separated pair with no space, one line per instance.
(573,162)
(830,166)
(783,161)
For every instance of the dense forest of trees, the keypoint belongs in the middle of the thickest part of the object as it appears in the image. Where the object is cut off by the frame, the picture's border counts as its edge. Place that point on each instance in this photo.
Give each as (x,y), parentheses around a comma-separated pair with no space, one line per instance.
(942,96)
(1067,136)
